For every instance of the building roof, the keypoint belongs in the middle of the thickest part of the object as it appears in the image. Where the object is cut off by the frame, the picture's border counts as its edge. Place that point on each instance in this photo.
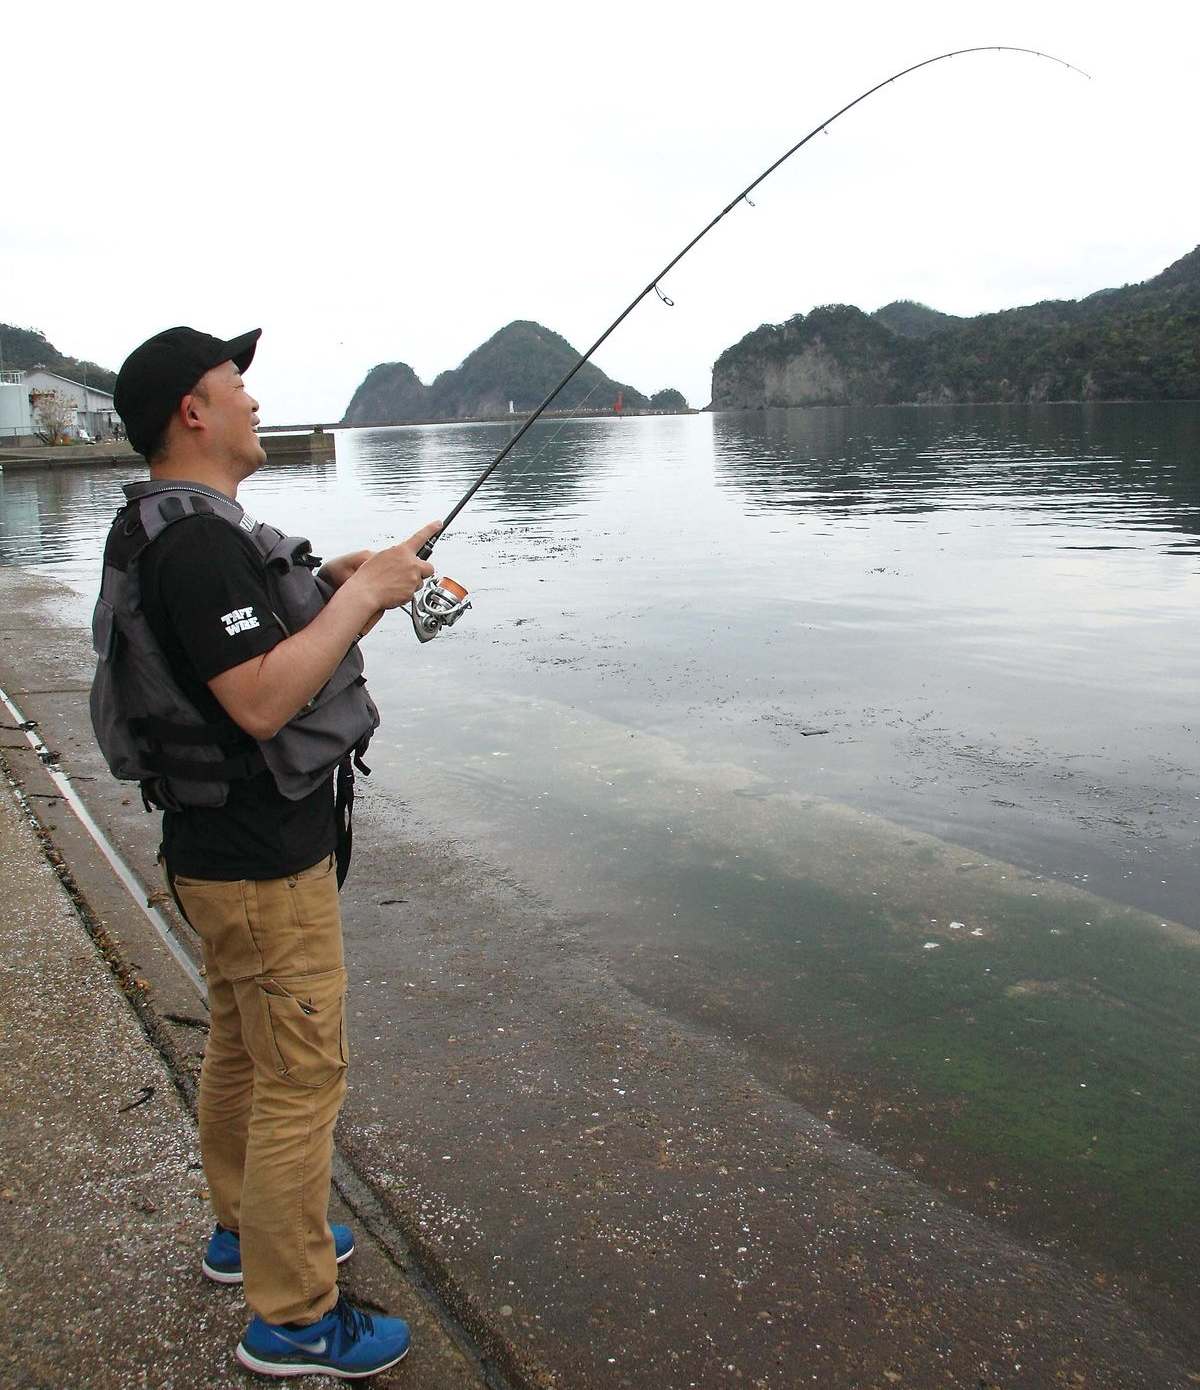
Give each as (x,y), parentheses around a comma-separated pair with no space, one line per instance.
(83,385)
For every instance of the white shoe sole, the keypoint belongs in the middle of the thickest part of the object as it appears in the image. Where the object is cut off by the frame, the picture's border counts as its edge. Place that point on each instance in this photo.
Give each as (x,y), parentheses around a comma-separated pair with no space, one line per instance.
(220,1276)
(311,1368)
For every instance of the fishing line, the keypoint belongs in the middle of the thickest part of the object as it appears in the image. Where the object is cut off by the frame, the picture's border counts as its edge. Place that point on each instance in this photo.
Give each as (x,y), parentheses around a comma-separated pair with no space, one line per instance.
(562,424)
(442,609)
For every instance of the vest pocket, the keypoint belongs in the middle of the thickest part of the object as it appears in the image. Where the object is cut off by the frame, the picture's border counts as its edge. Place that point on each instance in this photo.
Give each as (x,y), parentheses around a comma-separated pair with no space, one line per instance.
(104,629)
(305,1024)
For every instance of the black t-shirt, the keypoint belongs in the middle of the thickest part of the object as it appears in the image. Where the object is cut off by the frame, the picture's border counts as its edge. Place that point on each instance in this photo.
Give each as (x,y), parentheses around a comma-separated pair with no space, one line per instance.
(205,597)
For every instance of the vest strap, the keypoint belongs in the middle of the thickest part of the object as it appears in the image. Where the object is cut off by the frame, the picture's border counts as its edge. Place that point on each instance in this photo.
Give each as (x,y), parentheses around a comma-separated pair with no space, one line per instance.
(227,770)
(225,734)
(343,815)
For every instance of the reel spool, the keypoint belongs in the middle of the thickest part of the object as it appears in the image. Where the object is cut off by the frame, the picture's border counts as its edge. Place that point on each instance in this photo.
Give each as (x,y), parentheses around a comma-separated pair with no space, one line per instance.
(437,604)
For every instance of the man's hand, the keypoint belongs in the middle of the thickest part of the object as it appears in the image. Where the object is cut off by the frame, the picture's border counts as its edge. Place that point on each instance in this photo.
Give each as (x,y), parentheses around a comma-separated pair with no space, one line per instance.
(389,578)
(335,572)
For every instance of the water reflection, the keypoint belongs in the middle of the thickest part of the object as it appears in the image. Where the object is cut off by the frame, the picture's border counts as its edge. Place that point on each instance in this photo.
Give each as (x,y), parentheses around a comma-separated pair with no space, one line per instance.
(1129,465)
(57,516)
(545,473)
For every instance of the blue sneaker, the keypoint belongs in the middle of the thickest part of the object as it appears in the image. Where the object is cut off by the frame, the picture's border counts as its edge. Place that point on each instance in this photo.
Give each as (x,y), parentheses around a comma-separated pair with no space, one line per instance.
(223,1259)
(347,1343)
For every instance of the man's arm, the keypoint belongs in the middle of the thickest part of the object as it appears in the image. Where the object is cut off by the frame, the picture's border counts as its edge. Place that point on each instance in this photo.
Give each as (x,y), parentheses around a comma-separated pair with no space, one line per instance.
(262,694)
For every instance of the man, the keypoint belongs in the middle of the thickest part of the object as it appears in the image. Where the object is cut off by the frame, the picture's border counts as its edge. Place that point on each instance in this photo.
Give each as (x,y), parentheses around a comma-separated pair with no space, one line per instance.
(229,684)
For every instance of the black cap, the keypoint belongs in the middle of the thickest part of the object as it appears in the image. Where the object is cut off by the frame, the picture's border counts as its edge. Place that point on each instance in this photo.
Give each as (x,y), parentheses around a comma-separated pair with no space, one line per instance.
(155,377)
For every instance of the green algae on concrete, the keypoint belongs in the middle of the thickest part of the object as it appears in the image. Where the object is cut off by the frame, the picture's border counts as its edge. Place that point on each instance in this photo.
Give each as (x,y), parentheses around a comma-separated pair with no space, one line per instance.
(1002,1032)
(1060,1032)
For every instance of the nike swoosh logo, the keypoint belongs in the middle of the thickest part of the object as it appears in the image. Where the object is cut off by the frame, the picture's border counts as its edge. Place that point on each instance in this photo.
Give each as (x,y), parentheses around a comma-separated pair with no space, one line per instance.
(313,1348)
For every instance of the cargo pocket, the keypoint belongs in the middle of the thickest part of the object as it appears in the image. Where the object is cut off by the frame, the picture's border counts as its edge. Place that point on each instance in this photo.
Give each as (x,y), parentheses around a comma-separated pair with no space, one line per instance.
(305,1025)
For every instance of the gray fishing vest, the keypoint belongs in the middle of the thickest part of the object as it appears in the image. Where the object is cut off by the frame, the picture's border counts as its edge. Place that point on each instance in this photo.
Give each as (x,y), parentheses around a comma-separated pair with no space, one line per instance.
(147,728)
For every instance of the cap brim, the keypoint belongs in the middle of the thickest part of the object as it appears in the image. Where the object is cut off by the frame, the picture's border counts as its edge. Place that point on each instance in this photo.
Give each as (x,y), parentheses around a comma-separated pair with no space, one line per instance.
(240,351)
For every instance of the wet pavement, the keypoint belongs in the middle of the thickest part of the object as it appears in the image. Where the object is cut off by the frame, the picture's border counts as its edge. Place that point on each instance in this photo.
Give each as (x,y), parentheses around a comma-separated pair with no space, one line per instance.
(103,1209)
(595,1191)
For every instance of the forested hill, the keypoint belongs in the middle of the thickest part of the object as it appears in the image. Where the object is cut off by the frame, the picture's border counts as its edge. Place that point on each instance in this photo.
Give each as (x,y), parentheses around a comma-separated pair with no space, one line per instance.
(522,363)
(912,320)
(23,348)
(1140,342)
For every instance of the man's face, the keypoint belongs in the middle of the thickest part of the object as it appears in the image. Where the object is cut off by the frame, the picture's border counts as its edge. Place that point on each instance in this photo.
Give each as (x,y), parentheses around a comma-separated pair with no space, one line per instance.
(230,413)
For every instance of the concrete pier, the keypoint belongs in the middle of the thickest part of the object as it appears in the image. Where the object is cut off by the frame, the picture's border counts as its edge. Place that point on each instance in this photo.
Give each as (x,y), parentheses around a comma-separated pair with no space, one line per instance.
(316,445)
(68,456)
(104,1214)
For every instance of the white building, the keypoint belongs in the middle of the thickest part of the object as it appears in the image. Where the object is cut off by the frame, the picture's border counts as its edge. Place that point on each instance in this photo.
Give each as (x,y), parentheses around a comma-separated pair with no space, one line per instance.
(87,410)
(15,423)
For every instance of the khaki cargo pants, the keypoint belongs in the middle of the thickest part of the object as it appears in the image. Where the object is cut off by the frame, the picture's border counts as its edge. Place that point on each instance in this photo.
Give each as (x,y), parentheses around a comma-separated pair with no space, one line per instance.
(273,1077)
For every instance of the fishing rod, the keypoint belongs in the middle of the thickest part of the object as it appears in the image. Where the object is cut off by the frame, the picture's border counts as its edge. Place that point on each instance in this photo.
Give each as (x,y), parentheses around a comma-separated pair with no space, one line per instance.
(441,602)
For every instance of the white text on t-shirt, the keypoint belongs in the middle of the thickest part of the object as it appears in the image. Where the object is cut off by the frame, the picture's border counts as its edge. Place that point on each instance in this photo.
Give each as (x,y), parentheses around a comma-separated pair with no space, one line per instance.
(239,620)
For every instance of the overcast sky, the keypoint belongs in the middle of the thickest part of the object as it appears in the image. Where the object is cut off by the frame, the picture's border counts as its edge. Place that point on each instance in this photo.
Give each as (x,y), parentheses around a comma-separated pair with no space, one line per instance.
(372,182)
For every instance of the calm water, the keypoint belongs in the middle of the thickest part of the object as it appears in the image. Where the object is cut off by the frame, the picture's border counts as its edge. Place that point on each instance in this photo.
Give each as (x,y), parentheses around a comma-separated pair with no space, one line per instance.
(988,612)
(866,737)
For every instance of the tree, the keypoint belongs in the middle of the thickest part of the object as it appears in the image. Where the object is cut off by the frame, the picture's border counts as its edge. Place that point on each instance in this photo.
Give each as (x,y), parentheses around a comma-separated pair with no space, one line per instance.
(24,348)
(52,414)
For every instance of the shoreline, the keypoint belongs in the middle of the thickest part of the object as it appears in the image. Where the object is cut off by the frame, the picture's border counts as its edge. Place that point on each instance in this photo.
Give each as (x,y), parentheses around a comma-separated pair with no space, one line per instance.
(69,456)
(295,442)
(485,1121)
(283,443)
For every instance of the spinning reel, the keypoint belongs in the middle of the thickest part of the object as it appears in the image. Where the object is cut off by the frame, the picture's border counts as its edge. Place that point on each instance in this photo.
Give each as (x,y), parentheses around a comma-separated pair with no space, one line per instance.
(437,604)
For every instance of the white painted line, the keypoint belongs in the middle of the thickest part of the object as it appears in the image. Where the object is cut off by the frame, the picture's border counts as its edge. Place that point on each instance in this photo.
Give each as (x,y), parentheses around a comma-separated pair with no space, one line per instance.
(122,870)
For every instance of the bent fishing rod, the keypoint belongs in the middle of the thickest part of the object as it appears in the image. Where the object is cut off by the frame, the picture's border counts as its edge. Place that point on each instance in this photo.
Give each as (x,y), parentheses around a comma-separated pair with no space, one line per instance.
(441,602)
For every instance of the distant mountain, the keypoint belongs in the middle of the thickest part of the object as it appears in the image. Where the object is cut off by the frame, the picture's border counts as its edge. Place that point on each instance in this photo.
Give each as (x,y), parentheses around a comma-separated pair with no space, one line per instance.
(1139,342)
(390,392)
(1184,271)
(24,348)
(522,363)
(912,320)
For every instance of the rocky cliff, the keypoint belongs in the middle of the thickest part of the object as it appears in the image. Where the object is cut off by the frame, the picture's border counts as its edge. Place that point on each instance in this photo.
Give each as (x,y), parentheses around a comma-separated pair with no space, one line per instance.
(1139,342)
(836,355)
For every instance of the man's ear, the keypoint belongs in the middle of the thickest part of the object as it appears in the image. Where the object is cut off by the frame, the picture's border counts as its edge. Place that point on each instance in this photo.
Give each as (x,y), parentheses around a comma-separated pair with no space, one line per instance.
(188,413)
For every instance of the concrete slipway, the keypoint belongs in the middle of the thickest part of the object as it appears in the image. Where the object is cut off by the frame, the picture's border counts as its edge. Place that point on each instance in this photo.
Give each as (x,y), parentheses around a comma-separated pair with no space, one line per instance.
(558,1185)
